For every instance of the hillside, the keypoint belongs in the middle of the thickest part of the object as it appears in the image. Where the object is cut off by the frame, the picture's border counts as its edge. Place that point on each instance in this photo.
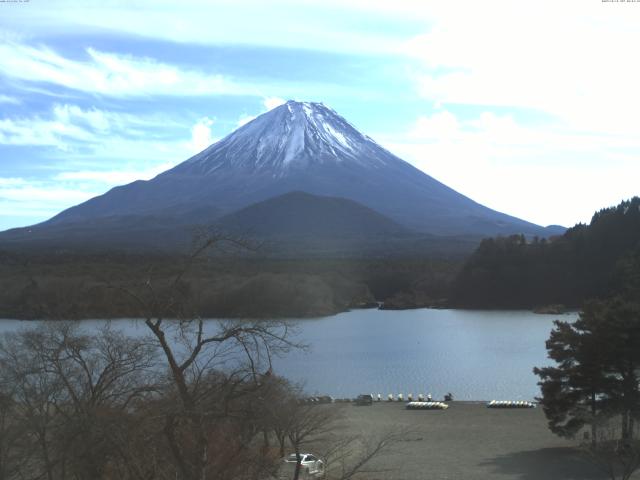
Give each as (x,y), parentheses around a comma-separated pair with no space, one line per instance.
(300,214)
(587,261)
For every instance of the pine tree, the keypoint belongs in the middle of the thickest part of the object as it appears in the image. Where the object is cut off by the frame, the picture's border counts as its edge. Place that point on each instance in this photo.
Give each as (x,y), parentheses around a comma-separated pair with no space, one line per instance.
(598,364)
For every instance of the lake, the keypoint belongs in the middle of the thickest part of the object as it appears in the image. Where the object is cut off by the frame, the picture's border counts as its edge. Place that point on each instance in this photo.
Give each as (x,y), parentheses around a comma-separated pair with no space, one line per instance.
(476,355)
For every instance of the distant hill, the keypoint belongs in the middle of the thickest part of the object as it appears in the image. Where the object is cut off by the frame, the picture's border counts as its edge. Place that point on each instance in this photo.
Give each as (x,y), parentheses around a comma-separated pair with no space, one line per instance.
(299,146)
(300,214)
(587,261)
(299,224)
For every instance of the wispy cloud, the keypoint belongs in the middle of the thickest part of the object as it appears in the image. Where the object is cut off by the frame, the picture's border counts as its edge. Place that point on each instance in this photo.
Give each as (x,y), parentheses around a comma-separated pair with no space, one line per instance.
(40,132)
(512,115)
(98,149)
(28,201)
(39,193)
(110,74)
(24,202)
(8,99)
(68,126)
(12,182)
(313,24)
(113,177)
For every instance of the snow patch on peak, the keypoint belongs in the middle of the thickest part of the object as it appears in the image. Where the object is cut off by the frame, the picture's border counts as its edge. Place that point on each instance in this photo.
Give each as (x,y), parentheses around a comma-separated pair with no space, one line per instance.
(339,137)
(293,136)
(294,145)
(307,109)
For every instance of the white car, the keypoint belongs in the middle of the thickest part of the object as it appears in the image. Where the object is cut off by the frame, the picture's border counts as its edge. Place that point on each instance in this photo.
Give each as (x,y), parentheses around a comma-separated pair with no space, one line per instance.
(310,466)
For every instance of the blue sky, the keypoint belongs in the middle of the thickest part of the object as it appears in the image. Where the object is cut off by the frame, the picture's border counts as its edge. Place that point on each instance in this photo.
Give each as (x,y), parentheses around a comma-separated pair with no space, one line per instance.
(530,108)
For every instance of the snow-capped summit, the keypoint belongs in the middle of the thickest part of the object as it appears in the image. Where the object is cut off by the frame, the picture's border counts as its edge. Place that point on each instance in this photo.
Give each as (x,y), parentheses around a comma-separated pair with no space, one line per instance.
(294,135)
(304,147)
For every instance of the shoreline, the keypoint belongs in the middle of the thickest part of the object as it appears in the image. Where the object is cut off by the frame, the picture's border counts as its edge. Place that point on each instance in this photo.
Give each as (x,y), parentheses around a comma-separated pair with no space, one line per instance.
(306,316)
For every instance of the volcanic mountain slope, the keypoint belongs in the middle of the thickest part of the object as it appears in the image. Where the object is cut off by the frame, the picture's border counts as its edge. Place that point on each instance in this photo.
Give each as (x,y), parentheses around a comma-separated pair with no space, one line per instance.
(305,147)
(300,214)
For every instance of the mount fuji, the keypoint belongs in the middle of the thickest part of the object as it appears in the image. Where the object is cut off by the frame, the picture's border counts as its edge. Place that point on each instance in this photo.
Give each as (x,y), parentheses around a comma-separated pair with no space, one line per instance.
(296,147)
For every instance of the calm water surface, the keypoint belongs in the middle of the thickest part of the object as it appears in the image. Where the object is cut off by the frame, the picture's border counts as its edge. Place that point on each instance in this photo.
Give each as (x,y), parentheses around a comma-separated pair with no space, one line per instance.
(476,355)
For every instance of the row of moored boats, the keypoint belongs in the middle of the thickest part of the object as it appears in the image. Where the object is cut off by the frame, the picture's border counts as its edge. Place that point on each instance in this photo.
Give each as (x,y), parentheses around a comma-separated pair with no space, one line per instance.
(510,404)
(427,406)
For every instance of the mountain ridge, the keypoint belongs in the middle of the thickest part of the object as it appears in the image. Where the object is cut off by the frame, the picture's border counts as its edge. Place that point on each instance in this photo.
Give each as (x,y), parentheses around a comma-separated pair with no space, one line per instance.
(298,146)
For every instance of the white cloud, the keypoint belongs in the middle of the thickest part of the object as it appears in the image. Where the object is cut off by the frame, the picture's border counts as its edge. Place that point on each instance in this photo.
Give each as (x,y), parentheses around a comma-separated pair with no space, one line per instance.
(24,202)
(563,70)
(10,100)
(69,127)
(97,149)
(539,173)
(244,119)
(272,102)
(568,59)
(109,74)
(441,126)
(571,60)
(114,177)
(314,24)
(40,194)
(40,132)
(201,136)
(94,118)
(269,103)
(11,181)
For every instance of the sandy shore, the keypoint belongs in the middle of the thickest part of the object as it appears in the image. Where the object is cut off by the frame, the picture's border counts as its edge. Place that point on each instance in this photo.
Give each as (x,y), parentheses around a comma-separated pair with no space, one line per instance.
(469,441)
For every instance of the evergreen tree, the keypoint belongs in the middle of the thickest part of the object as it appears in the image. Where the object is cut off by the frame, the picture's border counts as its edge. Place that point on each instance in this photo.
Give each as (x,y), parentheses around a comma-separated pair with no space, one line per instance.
(573,391)
(585,262)
(596,377)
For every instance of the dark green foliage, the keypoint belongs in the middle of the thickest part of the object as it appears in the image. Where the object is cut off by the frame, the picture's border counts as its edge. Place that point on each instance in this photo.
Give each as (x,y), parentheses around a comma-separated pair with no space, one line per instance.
(596,376)
(586,262)
(70,286)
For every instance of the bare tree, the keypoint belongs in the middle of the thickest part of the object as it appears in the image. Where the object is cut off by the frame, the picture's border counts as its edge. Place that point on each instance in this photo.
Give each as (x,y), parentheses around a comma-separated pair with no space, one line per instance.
(12,437)
(37,393)
(352,456)
(308,423)
(302,425)
(211,364)
(75,394)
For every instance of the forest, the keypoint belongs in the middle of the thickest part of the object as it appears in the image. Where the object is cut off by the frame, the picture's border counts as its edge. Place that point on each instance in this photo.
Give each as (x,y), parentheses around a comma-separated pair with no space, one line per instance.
(73,285)
(588,261)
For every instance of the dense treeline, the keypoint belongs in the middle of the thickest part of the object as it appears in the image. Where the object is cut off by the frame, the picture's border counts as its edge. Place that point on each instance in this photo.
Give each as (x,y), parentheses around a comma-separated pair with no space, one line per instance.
(588,261)
(71,286)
